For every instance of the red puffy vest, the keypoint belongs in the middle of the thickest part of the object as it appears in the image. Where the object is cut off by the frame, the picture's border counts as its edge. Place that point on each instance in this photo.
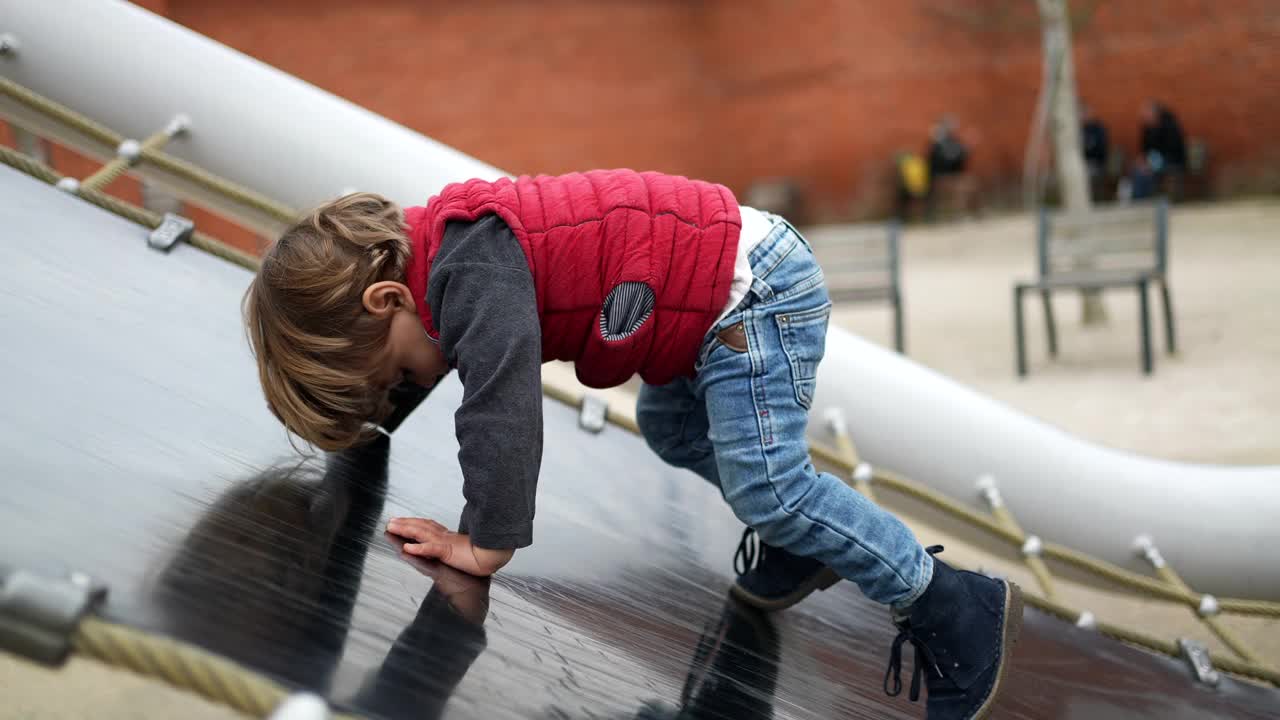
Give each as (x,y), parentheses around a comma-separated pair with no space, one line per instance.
(586,233)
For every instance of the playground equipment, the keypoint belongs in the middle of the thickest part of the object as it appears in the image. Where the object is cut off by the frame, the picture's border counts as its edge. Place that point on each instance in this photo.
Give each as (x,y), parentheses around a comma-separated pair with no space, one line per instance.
(236,141)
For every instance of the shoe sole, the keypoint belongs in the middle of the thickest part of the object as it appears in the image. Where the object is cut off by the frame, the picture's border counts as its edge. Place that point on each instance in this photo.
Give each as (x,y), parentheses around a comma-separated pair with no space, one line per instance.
(821,580)
(1012,627)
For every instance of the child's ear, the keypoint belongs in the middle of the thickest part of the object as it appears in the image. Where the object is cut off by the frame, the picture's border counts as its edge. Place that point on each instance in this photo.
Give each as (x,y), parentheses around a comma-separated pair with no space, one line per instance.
(383,298)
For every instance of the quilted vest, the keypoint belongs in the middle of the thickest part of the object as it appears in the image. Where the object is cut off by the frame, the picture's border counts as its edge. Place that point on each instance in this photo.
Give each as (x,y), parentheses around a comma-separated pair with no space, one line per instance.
(586,234)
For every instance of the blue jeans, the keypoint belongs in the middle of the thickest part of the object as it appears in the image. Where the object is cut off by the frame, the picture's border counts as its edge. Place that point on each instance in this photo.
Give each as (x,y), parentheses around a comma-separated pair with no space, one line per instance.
(740,424)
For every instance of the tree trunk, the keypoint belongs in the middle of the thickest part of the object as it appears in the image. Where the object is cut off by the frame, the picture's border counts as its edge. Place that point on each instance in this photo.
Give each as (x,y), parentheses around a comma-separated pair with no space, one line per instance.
(1073,181)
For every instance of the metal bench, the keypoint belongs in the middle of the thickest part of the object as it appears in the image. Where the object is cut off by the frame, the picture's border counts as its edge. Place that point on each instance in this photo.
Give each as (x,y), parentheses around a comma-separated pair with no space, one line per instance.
(1101,249)
(861,263)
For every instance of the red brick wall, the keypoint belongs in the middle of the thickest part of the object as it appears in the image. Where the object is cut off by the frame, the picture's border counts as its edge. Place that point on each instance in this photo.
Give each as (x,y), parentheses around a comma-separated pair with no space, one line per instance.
(824,91)
(1216,63)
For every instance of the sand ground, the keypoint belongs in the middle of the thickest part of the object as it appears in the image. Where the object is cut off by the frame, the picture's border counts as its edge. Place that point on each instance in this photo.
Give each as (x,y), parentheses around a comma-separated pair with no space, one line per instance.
(1218,400)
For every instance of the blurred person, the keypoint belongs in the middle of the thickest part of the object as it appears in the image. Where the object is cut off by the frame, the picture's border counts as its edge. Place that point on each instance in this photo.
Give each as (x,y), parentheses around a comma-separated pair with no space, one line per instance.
(1163,146)
(912,176)
(1139,184)
(1094,141)
(720,308)
(948,161)
(1096,146)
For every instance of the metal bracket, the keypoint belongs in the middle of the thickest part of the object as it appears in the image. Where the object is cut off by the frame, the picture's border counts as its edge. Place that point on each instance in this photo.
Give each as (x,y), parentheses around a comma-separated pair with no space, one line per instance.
(1208,606)
(1197,657)
(863,473)
(39,614)
(178,125)
(1144,546)
(836,422)
(173,229)
(129,150)
(990,492)
(593,414)
(1033,546)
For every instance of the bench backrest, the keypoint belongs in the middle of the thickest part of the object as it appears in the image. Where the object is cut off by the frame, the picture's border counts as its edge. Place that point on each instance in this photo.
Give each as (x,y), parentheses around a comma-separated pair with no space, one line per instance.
(860,262)
(1132,237)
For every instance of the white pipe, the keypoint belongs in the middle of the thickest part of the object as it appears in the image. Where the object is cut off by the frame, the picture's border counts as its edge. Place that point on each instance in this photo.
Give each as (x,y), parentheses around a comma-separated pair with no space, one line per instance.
(133,71)
(1218,526)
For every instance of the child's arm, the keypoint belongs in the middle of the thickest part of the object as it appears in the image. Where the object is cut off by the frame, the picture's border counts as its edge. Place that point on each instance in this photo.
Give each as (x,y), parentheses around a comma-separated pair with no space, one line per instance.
(483,301)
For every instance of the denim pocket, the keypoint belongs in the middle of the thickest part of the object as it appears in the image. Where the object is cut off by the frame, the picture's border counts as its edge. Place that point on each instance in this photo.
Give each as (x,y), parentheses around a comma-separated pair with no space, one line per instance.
(804,340)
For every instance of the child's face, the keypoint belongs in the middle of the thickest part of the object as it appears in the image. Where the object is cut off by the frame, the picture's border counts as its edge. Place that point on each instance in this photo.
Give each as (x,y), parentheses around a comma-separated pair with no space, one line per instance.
(409,355)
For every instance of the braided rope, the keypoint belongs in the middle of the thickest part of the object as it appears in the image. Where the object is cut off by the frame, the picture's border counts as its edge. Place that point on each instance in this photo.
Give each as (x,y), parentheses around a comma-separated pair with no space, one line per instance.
(1033,560)
(1087,563)
(151,155)
(106,174)
(119,164)
(64,114)
(220,185)
(111,203)
(1213,622)
(219,249)
(1152,642)
(181,665)
(29,165)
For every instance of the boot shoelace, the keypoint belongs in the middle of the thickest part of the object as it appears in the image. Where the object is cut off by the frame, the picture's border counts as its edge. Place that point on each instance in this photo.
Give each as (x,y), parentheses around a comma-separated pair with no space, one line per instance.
(750,552)
(924,656)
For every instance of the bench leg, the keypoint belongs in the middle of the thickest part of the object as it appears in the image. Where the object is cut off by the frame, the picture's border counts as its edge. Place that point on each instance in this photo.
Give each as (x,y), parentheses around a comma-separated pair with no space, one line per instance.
(899,337)
(1051,327)
(1170,334)
(1019,334)
(1144,312)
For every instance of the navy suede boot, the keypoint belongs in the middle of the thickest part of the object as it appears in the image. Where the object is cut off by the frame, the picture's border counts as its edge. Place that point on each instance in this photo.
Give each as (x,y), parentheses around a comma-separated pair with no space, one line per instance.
(770,578)
(963,628)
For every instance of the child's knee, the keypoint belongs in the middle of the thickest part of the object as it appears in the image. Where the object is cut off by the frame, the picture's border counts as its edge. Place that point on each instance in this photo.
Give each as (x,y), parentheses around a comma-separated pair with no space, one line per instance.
(678,451)
(774,504)
(663,434)
(673,428)
(774,523)
(757,506)
(657,427)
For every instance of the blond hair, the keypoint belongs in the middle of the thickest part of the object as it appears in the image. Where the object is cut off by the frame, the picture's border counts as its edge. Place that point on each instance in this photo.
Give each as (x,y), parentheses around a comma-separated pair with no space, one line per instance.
(316,346)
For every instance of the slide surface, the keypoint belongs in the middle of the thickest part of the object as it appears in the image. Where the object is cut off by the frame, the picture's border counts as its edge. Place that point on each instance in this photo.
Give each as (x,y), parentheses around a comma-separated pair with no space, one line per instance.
(137,449)
(276,134)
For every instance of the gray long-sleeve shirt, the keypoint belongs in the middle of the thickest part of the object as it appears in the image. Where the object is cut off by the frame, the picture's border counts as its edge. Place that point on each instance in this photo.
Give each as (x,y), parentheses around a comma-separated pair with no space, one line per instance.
(483,302)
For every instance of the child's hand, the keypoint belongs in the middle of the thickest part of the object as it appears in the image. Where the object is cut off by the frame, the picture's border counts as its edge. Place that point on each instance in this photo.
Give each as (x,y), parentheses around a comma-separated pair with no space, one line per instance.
(437,542)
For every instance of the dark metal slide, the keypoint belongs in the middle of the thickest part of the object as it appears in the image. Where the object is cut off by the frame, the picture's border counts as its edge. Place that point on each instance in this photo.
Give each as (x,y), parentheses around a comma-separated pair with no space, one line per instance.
(136,448)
